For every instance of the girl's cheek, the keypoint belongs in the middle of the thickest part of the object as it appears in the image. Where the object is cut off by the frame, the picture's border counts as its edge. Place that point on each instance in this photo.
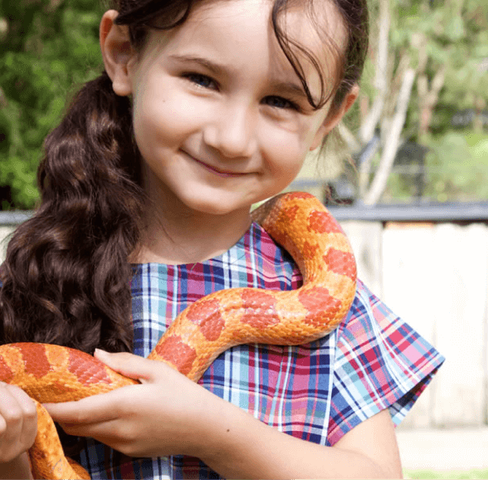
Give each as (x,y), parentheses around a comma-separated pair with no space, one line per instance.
(177,115)
(290,146)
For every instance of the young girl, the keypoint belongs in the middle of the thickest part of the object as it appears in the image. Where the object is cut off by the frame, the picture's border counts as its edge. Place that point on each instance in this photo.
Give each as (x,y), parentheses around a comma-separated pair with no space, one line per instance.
(204,109)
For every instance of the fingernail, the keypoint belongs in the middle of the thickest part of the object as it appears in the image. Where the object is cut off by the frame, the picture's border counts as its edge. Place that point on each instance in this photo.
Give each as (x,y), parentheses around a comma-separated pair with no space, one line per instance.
(99,351)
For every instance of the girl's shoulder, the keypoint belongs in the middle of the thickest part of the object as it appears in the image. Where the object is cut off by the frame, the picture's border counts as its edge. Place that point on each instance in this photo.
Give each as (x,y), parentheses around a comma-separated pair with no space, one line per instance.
(381,362)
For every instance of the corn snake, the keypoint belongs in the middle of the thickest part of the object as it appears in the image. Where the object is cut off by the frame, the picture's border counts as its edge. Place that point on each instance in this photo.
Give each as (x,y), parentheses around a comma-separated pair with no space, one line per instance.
(298,222)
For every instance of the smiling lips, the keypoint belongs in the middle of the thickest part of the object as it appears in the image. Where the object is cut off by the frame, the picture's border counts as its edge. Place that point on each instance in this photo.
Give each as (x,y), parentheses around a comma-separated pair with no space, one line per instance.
(216,171)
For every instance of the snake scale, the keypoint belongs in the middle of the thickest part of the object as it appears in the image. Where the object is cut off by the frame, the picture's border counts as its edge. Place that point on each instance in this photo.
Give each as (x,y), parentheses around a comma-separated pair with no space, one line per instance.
(298,222)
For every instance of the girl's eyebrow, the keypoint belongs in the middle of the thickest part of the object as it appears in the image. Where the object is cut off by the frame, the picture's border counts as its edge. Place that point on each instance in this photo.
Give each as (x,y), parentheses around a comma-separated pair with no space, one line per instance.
(290,88)
(204,62)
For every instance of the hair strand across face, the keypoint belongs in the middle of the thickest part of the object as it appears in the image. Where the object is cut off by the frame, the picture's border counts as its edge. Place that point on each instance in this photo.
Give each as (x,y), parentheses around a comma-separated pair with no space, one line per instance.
(66,277)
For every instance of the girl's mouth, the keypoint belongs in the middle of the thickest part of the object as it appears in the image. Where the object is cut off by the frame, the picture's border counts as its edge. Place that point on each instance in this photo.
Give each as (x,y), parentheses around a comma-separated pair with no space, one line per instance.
(216,171)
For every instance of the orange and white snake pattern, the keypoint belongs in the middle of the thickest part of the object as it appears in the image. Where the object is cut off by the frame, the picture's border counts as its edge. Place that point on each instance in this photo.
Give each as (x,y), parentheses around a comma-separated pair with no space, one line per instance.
(298,222)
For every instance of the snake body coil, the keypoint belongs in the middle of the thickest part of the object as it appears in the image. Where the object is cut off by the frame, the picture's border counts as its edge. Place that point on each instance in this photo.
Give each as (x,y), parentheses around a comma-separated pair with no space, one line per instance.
(298,222)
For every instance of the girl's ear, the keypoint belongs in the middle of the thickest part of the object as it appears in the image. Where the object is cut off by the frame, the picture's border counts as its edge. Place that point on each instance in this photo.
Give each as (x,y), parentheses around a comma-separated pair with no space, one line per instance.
(116,52)
(332,119)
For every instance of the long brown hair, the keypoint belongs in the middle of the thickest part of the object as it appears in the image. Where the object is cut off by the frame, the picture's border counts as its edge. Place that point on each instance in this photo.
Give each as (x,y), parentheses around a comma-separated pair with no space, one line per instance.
(66,277)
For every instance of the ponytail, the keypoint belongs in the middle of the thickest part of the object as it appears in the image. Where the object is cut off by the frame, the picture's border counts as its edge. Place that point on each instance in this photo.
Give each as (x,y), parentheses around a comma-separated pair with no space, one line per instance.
(66,277)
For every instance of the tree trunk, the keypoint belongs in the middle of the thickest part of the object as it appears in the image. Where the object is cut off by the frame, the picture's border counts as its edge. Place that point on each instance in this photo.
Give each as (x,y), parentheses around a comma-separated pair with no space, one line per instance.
(392,141)
(381,78)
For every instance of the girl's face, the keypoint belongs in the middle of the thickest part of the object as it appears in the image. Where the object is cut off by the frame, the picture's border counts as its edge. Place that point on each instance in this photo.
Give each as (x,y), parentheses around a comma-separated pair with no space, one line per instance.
(220,117)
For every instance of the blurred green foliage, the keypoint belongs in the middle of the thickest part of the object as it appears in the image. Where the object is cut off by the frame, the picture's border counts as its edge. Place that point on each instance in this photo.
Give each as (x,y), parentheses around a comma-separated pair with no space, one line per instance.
(455,169)
(457,165)
(448,36)
(49,48)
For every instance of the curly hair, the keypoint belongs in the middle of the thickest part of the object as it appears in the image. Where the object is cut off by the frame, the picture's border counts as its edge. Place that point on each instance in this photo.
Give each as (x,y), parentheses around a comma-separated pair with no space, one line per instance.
(66,277)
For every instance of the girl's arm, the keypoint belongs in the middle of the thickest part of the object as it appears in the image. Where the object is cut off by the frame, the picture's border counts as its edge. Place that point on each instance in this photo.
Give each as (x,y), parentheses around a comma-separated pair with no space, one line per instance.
(18,428)
(170,415)
(248,448)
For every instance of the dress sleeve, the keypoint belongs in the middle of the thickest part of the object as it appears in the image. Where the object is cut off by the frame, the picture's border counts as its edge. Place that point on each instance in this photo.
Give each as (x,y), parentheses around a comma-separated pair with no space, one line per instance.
(381,362)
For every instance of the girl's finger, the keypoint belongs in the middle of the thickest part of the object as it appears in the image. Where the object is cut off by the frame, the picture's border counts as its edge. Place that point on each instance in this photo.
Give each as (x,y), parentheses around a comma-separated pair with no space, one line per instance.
(18,422)
(95,409)
(127,364)
(10,413)
(24,401)
(105,432)
(29,414)
(81,412)
(16,406)
(101,417)
(132,366)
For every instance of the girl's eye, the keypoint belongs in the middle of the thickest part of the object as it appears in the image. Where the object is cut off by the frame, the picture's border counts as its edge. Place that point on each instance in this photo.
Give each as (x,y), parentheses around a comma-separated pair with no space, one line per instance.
(280,102)
(200,80)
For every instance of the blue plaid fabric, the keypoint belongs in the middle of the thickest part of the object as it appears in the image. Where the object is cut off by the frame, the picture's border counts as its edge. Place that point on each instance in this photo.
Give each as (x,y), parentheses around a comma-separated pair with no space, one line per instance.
(316,392)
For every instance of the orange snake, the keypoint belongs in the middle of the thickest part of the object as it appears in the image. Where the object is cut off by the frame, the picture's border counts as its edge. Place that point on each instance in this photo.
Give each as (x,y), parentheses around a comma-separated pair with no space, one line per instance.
(298,222)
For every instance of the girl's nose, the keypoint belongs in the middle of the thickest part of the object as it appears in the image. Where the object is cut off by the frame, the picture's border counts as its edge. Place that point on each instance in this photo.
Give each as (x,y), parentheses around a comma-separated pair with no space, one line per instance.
(232,131)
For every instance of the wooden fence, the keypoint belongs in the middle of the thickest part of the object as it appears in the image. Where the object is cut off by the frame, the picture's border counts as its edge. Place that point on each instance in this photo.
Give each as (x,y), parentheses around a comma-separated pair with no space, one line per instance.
(432,270)
(435,276)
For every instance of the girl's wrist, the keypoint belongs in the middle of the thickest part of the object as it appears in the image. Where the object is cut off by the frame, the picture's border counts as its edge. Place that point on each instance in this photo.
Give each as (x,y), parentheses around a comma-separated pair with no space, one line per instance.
(229,438)
(210,424)
(211,420)
(17,468)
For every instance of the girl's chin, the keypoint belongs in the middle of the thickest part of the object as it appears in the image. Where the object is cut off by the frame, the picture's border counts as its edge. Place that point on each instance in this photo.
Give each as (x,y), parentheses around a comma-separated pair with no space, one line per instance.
(213,202)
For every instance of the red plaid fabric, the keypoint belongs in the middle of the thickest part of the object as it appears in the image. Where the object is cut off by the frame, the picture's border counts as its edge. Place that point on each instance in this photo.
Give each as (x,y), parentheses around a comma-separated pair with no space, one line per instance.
(316,392)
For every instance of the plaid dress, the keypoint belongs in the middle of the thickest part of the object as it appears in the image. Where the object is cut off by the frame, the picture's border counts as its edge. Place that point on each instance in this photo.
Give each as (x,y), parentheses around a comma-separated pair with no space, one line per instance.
(316,392)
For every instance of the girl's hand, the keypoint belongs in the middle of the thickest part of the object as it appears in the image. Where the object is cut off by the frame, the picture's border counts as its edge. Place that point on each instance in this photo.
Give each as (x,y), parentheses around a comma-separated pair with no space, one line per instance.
(168,414)
(18,422)
(164,415)
(18,429)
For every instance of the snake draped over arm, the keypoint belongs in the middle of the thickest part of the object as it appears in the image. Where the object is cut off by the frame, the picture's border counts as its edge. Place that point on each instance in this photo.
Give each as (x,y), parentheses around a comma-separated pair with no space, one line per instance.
(211,325)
